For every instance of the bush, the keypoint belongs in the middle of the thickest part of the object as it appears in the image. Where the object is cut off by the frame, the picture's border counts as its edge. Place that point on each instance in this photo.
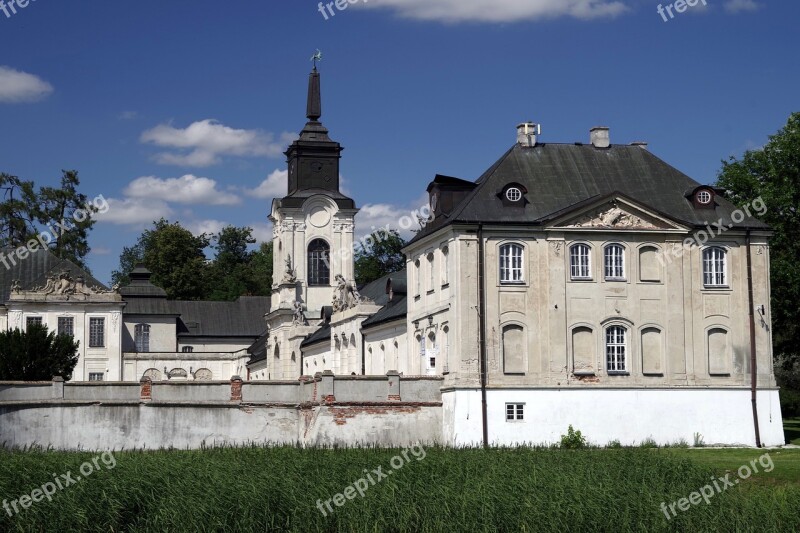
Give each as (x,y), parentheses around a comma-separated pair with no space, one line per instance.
(790,402)
(36,355)
(573,440)
(649,442)
(614,444)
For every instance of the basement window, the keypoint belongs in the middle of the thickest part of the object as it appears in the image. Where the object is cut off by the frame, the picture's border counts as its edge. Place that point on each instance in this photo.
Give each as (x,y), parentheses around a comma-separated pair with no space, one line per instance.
(515,412)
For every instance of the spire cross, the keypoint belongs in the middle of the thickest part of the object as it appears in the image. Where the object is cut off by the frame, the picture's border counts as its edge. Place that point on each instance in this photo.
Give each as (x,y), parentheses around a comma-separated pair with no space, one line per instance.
(316,57)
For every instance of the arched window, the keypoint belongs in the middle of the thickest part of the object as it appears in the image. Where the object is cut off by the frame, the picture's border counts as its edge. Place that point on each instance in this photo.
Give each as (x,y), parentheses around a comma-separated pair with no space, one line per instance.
(616,349)
(580,264)
(445,264)
(319,263)
(715,267)
(511,270)
(142,337)
(615,262)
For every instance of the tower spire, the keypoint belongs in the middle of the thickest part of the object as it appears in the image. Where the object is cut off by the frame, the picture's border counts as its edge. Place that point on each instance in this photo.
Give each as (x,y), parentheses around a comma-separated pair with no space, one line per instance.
(314,107)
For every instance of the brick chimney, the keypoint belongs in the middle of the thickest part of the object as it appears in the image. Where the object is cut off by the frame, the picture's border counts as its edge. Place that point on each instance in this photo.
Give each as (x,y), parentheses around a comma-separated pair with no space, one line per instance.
(599,137)
(526,134)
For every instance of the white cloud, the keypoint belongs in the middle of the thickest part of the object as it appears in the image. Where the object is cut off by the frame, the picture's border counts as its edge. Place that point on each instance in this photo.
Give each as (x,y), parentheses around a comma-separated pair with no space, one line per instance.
(373,217)
(274,186)
(739,6)
(202,143)
(16,86)
(101,250)
(500,10)
(128,115)
(134,211)
(188,189)
(262,232)
(198,227)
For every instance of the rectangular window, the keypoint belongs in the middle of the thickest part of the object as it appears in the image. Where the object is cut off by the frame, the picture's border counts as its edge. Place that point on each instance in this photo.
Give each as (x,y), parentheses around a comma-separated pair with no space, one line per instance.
(515,412)
(96,376)
(142,337)
(431,274)
(616,347)
(97,332)
(615,262)
(714,271)
(66,326)
(33,321)
(445,264)
(511,264)
(579,262)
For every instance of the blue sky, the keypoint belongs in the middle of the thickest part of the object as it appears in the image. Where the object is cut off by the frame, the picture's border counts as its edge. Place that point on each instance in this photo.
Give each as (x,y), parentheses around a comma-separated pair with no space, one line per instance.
(183,108)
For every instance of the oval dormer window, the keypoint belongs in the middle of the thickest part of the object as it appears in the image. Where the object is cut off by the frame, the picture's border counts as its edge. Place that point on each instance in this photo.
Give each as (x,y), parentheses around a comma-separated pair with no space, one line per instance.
(704,197)
(514,194)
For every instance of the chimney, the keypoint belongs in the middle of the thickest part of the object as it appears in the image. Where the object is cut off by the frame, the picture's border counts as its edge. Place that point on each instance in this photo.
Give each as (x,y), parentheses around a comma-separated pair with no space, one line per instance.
(527,132)
(599,137)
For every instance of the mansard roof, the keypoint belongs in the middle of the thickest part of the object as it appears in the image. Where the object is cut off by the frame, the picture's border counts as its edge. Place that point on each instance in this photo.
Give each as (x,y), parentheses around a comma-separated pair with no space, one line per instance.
(33,270)
(559,176)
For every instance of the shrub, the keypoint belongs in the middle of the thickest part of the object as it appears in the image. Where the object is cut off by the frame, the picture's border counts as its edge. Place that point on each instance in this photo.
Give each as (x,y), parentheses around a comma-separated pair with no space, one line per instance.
(649,442)
(573,440)
(698,440)
(614,444)
(36,355)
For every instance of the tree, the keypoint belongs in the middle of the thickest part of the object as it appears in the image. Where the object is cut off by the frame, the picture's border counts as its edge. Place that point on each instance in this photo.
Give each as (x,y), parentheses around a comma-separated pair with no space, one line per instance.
(17,211)
(174,256)
(72,212)
(773,173)
(36,355)
(382,256)
(62,213)
(231,272)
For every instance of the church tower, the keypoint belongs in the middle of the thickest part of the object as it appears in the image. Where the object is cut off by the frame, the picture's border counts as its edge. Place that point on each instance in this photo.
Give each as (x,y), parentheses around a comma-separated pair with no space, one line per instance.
(312,229)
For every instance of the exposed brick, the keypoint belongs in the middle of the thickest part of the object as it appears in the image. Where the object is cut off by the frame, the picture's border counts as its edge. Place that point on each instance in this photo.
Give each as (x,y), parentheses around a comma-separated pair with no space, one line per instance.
(394,397)
(146,389)
(236,389)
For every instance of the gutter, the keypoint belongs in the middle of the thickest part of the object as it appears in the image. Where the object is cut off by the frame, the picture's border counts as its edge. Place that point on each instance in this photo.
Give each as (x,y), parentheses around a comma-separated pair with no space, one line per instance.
(481,332)
(753,361)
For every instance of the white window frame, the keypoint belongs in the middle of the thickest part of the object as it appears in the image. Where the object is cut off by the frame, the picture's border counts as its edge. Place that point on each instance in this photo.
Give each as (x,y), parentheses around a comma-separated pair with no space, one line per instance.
(715,267)
(513,194)
(582,269)
(97,376)
(515,412)
(614,262)
(71,321)
(102,322)
(141,336)
(616,351)
(511,263)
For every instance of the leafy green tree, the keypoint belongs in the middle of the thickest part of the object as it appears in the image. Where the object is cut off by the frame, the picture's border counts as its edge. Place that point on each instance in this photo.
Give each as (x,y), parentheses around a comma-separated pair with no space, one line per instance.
(174,256)
(231,272)
(62,212)
(382,256)
(261,265)
(68,213)
(36,355)
(17,211)
(773,173)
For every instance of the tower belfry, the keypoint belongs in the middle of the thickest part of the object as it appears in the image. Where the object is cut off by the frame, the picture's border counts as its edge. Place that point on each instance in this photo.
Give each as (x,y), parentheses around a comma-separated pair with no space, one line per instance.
(313,227)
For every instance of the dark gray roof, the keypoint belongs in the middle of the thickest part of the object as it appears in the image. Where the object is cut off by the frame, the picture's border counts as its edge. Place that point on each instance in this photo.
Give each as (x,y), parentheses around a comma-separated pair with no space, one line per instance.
(242,318)
(258,350)
(560,176)
(377,290)
(323,334)
(33,270)
(396,309)
(141,285)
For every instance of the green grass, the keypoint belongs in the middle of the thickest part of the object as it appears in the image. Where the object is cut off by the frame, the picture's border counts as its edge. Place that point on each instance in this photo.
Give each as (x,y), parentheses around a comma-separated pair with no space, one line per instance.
(791,428)
(523,489)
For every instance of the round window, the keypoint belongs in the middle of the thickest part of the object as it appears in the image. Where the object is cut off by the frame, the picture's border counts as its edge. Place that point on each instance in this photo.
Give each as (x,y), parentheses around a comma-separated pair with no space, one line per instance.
(514,194)
(704,197)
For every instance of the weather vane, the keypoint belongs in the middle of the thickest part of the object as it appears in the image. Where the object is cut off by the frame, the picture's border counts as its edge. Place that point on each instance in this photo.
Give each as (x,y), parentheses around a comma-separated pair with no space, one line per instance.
(316,57)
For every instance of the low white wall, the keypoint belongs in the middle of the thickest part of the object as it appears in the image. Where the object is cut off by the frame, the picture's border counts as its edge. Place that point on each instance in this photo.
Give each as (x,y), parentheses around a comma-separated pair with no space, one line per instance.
(721,416)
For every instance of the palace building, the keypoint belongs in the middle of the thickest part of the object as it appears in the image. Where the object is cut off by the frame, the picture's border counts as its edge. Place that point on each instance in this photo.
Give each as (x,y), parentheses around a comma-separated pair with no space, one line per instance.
(575,283)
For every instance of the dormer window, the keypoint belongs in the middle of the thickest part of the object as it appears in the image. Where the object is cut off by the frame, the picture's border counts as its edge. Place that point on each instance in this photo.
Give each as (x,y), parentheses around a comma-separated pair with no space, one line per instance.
(704,197)
(513,194)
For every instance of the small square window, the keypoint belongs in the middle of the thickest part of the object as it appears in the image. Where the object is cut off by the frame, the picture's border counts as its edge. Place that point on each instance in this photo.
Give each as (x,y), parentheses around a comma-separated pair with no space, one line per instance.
(96,376)
(33,321)
(515,412)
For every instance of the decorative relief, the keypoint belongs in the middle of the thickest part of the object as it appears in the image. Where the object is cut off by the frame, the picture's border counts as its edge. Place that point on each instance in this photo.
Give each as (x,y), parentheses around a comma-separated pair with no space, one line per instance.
(63,286)
(556,246)
(289,273)
(614,217)
(16,319)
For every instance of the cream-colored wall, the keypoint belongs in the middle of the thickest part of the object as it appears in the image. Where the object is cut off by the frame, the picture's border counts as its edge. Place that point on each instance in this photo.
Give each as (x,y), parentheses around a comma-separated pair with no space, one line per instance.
(163,332)
(387,346)
(223,366)
(549,305)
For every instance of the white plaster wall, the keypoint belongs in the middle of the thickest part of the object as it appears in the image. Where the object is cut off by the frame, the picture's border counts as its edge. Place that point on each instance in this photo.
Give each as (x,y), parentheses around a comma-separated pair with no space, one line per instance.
(163,332)
(721,416)
(387,349)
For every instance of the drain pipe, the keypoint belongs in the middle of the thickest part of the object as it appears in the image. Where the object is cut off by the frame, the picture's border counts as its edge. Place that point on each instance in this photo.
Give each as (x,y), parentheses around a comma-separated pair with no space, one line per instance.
(753,362)
(482,332)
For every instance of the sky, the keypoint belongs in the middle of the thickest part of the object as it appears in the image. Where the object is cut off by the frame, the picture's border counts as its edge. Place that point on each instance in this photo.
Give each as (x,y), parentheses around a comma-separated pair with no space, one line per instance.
(183,109)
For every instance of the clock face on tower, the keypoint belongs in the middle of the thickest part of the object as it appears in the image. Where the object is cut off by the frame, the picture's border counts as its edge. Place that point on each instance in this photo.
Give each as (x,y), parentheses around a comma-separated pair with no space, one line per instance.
(317,173)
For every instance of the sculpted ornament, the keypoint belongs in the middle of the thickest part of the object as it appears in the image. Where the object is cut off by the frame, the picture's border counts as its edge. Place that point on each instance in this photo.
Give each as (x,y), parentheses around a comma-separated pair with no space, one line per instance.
(614,218)
(290,274)
(345,295)
(299,318)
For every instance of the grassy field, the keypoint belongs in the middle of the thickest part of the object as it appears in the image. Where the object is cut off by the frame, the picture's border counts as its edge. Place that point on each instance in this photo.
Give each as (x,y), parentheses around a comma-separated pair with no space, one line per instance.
(276,489)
